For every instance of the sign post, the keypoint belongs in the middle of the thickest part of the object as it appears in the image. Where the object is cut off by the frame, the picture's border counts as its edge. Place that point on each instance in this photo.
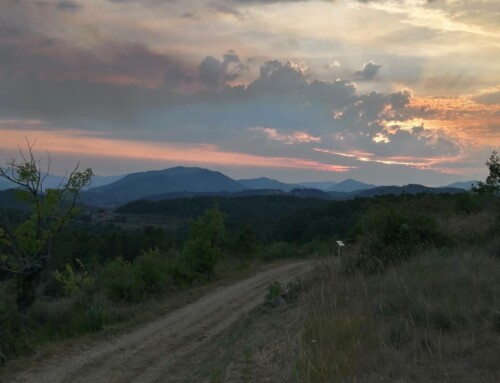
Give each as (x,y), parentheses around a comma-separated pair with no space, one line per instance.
(340,245)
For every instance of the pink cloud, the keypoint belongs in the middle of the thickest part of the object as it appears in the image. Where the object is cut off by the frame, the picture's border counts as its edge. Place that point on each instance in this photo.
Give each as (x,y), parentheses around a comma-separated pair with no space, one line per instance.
(76,143)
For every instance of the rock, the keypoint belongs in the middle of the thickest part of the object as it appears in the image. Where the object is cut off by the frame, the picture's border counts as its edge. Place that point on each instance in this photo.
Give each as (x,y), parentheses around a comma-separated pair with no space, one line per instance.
(278,302)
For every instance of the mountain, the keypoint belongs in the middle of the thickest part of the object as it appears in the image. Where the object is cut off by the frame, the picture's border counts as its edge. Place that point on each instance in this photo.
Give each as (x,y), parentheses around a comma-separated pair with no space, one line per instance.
(143,184)
(53,181)
(8,200)
(4,184)
(103,180)
(350,185)
(320,185)
(266,183)
(466,185)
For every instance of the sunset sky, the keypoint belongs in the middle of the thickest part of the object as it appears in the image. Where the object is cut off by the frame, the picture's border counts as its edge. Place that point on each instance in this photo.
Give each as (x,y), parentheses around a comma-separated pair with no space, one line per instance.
(383,91)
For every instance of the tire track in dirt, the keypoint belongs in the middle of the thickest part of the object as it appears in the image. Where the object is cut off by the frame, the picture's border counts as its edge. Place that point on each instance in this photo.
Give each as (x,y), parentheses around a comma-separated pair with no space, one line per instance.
(147,354)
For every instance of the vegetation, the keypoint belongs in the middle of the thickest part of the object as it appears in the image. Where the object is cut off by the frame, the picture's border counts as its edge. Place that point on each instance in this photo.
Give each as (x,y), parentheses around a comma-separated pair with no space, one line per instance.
(27,245)
(492,183)
(434,318)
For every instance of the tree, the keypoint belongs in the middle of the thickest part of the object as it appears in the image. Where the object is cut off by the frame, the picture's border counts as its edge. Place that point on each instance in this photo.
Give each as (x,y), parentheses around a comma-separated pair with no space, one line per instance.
(202,249)
(27,244)
(492,183)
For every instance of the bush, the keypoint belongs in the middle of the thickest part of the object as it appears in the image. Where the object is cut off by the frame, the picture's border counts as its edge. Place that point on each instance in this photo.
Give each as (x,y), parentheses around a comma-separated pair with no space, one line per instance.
(121,282)
(150,274)
(388,236)
(154,270)
(465,203)
(278,250)
(80,284)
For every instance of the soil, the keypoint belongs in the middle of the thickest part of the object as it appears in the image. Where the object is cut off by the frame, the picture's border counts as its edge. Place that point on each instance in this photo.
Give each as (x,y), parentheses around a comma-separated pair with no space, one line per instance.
(155,351)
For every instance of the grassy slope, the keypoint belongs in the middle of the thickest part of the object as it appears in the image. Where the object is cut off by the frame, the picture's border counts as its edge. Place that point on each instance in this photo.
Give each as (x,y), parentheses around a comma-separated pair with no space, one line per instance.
(433,319)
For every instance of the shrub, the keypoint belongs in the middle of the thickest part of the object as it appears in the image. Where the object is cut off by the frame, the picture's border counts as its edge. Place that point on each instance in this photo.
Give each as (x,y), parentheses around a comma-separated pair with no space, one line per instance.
(388,236)
(79,284)
(465,203)
(278,250)
(154,270)
(121,282)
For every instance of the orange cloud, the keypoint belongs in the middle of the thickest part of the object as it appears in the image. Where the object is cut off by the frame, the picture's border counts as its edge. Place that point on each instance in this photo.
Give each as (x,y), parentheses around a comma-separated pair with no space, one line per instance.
(471,123)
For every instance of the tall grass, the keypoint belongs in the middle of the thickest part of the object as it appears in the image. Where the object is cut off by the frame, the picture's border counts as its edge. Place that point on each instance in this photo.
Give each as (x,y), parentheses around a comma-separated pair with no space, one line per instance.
(435,318)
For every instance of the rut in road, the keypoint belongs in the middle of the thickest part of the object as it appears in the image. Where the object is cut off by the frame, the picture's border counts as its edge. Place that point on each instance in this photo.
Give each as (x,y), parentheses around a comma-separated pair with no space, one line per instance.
(147,354)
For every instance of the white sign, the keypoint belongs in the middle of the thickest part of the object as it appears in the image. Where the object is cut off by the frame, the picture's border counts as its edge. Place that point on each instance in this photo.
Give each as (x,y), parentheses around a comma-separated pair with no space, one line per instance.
(340,243)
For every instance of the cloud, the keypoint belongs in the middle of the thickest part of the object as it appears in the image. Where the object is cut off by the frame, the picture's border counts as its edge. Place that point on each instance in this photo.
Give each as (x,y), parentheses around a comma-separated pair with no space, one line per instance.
(189,15)
(288,139)
(334,64)
(215,73)
(284,111)
(489,98)
(226,10)
(68,6)
(369,71)
(122,63)
(276,77)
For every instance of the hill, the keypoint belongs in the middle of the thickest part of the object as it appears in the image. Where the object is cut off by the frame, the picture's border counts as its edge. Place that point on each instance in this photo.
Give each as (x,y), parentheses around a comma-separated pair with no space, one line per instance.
(266,183)
(321,185)
(179,179)
(350,185)
(466,185)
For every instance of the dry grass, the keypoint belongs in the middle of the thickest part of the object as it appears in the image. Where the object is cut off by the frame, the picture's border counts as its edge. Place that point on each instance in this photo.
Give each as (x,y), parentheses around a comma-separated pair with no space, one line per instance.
(433,319)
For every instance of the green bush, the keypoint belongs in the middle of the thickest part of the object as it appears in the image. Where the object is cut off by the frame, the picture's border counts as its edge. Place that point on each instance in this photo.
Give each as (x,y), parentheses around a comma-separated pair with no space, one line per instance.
(278,250)
(121,282)
(69,283)
(202,251)
(388,236)
(274,290)
(154,270)
(152,273)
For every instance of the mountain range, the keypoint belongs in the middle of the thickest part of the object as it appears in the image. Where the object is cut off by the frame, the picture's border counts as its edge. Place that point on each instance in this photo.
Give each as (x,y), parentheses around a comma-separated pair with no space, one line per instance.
(192,181)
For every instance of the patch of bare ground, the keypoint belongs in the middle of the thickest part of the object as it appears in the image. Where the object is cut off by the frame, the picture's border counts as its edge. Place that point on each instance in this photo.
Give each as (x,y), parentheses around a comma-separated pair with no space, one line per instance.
(261,347)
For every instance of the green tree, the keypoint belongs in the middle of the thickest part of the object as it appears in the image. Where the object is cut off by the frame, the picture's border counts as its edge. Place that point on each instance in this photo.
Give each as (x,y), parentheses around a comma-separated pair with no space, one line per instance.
(492,182)
(203,247)
(27,244)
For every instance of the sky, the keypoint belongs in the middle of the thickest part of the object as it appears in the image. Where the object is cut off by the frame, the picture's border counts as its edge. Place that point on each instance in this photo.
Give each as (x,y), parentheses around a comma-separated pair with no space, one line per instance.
(383,91)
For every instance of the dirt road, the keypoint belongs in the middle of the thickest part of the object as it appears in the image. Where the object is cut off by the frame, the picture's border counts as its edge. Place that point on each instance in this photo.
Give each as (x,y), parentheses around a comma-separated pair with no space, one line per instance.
(147,354)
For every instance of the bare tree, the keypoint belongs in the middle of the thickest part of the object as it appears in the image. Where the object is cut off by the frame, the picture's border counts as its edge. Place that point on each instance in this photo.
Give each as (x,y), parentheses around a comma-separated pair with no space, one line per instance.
(28,243)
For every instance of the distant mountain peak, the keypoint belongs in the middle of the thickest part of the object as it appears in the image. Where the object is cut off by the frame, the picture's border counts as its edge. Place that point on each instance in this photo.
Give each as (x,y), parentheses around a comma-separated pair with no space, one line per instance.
(266,183)
(349,185)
